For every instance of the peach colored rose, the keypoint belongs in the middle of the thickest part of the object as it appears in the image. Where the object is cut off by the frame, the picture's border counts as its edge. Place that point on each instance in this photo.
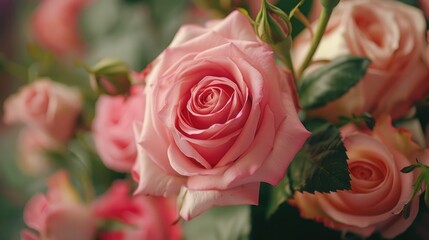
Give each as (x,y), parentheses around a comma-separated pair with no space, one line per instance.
(379,189)
(113,129)
(58,215)
(143,217)
(54,24)
(33,146)
(392,35)
(219,118)
(48,106)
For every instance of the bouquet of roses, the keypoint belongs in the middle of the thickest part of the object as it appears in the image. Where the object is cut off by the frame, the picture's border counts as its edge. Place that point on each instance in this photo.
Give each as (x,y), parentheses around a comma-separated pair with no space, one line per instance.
(257,120)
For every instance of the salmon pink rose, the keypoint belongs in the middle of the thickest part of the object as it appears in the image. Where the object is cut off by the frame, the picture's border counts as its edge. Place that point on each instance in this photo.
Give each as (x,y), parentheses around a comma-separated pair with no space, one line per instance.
(55,26)
(392,35)
(49,106)
(58,215)
(113,128)
(140,217)
(220,118)
(379,189)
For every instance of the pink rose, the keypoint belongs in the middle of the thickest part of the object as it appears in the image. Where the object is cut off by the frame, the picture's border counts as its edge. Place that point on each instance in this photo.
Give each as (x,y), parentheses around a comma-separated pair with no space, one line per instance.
(48,106)
(55,26)
(142,217)
(392,35)
(219,118)
(113,128)
(58,215)
(33,146)
(379,189)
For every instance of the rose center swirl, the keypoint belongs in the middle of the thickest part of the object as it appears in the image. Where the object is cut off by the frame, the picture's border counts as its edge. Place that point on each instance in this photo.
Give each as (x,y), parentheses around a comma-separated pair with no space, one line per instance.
(361,172)
(214,100)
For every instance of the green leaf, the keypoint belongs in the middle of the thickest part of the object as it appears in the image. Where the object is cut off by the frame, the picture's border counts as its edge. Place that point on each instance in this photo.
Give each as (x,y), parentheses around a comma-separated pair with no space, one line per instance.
(331,81)
(296,8)
(220,223)
(279,194)
(320,166)
(323,161)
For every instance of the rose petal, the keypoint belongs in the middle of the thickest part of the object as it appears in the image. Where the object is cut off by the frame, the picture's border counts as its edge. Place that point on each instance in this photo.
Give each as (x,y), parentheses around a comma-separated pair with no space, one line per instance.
(152,179)
(196,202)
(35,212)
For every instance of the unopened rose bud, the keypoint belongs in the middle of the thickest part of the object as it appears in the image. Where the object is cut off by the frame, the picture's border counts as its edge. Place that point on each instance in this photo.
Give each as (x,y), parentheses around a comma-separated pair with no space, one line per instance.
(272,26)
(111,77)
(329,4)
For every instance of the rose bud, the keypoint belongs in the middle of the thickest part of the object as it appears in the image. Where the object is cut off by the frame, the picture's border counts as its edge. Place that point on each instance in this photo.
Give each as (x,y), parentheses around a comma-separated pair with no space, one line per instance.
(329,4)
(272,26)
(46,105)
(110,76)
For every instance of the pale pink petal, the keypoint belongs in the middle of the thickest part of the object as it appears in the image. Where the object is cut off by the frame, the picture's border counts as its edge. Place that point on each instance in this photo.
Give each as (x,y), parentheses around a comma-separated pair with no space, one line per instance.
(288,137)
(186,33)
(36,211)
(196,202)
(152,179)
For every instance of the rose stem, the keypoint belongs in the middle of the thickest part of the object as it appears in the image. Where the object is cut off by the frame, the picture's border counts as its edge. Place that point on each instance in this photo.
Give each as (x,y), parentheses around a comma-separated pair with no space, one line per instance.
(323,22)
